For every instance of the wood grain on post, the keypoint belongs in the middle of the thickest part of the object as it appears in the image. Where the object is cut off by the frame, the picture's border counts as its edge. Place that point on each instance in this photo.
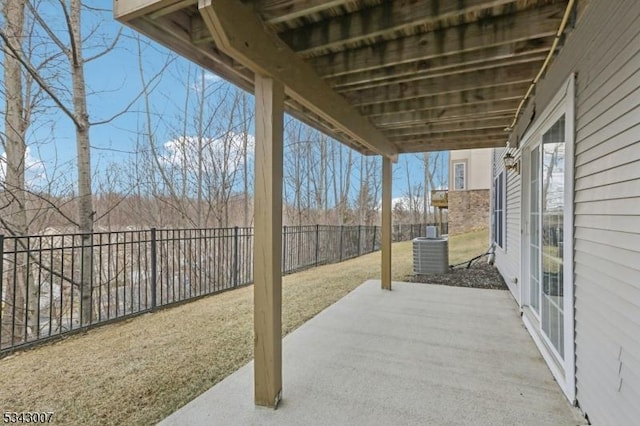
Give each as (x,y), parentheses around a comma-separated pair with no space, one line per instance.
(268,242)
(386,223)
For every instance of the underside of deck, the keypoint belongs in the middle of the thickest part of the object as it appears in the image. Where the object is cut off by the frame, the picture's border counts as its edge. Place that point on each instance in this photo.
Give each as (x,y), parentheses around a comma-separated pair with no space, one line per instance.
(383,77)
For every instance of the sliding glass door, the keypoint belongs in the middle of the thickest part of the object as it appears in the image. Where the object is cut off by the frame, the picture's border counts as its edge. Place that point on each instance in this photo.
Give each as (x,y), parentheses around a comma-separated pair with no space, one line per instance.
(546,251)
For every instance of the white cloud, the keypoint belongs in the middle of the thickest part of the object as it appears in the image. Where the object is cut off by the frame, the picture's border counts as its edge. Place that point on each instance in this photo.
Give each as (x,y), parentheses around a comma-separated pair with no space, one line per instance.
(400,202)
(211,77)
(35,171)
(217,154)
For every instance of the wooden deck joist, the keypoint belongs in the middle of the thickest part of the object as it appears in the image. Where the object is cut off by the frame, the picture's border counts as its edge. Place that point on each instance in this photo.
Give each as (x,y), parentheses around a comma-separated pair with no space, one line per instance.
(454,134)
(477,95)
(503,76)
(440,145)
(465,112)
(277,11)
(536,23)
(389,20)
(452,127)
(447,65)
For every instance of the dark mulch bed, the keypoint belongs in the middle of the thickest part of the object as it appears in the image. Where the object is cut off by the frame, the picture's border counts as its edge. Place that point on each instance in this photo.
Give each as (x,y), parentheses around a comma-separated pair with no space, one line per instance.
(480,275)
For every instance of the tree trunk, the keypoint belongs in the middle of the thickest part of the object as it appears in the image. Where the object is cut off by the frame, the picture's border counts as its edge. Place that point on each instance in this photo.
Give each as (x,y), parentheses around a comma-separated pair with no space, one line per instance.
(430,173)
(334,182)
(85,202)
(427,188)
(410,195)
(324,185)
(245,159)
(14,186)
(200,142)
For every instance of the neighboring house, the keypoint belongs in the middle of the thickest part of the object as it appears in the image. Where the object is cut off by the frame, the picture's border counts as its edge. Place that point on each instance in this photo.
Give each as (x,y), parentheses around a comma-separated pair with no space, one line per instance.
(469,188)
(567,217)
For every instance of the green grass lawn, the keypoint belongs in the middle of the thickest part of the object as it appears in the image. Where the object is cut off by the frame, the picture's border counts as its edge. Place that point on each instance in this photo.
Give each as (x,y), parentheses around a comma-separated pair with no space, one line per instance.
(140,370)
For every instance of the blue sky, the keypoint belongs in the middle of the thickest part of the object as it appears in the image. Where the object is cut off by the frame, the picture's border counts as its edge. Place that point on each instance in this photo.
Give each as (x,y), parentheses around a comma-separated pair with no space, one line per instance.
(113,81)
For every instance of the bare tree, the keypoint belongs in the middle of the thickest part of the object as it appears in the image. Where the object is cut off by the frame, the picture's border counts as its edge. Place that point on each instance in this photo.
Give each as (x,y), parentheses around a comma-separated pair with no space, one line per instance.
(15,124)
(296,172)
(70,46)
(316,158)
(161,184)
(427,187)
(341,169)
(370,186)
(247,117)
(322,191)
(433,172)
(197,170)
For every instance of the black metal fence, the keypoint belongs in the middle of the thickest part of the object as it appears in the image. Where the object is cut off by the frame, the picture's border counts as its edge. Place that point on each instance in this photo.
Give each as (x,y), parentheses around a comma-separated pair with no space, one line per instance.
(52,285)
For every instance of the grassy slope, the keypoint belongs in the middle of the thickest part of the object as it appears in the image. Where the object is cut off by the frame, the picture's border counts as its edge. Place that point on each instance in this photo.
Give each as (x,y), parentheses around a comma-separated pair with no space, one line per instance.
(140,370)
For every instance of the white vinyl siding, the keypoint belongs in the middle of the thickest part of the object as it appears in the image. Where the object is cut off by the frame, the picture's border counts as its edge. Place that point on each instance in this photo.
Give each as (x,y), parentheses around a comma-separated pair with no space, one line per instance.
(603,50)
(607,255)
(508,257)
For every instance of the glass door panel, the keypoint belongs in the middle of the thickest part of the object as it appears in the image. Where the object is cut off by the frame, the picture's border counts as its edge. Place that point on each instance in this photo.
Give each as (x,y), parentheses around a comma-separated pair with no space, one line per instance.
(534,230)
(551,234)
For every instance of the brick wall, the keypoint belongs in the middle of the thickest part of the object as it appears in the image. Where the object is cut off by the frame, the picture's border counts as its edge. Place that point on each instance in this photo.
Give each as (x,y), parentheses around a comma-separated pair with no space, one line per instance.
(468,211)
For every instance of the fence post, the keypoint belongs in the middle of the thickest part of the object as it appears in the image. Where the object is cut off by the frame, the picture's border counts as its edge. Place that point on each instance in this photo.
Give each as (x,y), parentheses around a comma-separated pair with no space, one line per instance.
(235,256)
(317,242)
(154,270)
(375,231)
(359,237)
(284,249)
(341,233)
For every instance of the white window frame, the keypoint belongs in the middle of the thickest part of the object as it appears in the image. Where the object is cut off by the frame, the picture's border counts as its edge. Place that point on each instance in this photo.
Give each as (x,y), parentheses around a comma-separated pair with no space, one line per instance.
(464,175)
(503,223)
(563,103)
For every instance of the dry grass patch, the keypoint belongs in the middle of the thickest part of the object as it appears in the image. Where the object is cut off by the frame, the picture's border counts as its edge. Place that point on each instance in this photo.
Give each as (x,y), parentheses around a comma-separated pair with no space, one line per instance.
(134,372)
(139,371)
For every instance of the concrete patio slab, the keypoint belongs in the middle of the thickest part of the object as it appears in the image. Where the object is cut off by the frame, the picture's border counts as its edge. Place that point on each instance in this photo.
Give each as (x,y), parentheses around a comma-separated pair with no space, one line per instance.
(418,355)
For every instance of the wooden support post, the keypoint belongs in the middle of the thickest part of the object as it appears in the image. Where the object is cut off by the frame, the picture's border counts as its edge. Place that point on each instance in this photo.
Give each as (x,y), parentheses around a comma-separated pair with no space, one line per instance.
(386,223)
(267,290)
